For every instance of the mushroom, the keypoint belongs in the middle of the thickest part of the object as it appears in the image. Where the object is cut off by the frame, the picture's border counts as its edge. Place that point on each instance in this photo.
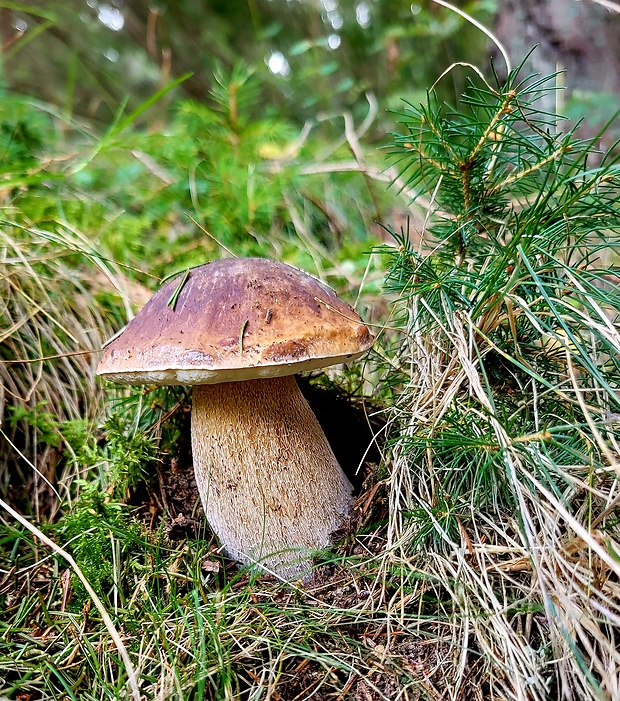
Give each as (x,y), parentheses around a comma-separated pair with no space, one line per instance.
(238,330)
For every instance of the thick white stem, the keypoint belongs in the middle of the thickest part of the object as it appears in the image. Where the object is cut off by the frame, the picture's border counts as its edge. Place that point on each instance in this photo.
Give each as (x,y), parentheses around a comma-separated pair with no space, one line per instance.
(270,484)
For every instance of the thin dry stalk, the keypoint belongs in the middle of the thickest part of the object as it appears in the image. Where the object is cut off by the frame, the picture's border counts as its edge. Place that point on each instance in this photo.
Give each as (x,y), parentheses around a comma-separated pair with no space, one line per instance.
(555,559)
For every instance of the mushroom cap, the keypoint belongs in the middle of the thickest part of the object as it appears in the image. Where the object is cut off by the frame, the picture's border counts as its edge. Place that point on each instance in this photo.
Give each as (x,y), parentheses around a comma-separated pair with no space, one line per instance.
(235,319)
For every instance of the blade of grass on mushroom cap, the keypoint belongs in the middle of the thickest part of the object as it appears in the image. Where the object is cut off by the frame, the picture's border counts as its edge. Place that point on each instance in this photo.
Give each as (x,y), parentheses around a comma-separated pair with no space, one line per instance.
(172,301)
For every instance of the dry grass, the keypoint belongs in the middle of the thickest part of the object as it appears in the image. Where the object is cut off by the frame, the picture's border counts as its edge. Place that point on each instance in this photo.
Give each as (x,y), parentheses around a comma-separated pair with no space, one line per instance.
(534,587)
(54,321)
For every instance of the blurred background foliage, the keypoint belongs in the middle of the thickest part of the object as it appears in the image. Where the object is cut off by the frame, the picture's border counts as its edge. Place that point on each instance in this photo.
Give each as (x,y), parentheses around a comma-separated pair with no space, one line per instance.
(232,113)
(262,120)
(90,56)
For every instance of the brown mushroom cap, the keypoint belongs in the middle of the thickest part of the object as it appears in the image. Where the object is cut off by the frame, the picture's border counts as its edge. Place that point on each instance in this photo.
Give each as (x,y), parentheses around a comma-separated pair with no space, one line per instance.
(235,319)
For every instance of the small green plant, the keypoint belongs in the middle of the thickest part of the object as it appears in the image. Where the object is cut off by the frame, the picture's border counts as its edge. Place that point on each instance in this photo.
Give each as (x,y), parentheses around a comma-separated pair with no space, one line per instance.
(44,422)
(24,134)
(509,371)
(130,455)
(103,539)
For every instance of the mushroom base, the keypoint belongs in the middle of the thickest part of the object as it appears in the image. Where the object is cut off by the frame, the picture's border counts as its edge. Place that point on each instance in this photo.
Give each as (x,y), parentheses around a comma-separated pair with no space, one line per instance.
(271,487)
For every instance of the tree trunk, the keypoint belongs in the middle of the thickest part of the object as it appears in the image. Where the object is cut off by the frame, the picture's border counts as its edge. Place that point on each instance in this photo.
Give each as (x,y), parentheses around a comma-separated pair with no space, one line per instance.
(581,38)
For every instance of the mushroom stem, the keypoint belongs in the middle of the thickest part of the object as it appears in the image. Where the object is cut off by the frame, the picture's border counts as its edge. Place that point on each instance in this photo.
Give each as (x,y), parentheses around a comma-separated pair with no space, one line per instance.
(270,484)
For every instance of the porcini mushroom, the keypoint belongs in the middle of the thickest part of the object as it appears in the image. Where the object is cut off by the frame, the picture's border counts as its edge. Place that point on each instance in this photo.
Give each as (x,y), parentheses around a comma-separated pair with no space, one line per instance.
(238,330)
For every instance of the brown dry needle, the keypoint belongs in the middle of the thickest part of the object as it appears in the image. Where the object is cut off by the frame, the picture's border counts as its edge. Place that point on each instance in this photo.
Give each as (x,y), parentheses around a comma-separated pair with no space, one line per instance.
(241,332)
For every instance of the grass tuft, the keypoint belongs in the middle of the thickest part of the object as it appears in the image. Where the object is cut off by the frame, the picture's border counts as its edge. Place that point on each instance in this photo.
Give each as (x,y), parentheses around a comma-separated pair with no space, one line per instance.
(505,459)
